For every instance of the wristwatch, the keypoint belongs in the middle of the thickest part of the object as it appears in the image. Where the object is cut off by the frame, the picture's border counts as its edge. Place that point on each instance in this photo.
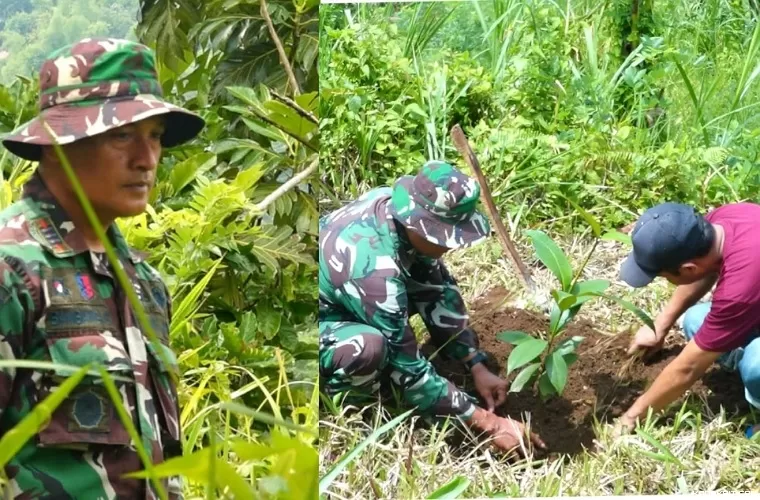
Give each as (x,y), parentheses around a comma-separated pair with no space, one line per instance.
(480,357)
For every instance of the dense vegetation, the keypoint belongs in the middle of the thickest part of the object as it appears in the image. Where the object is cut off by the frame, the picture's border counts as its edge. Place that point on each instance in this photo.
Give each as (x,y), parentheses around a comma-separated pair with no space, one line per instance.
(573,108)
(576,99)
(236,247)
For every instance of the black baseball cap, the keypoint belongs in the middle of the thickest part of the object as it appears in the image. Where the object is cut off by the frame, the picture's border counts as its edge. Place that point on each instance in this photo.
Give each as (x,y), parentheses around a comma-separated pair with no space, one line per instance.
(664,237)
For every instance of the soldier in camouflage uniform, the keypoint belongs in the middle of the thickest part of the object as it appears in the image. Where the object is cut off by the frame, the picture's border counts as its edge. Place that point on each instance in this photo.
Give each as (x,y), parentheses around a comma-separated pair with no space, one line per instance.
(59,298)
(379,264)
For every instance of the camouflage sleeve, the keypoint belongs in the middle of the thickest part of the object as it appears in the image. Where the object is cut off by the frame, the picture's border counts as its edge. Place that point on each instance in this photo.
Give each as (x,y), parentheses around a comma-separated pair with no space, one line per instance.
(15,300)
(381,302)
(439,302)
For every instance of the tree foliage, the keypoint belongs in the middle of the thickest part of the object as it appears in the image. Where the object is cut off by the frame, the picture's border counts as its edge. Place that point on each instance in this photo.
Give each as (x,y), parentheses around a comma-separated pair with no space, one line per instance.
(34,28)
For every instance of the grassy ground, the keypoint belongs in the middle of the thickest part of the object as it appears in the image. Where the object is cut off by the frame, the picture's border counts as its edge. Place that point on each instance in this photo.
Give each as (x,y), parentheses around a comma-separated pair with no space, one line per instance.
(697,451)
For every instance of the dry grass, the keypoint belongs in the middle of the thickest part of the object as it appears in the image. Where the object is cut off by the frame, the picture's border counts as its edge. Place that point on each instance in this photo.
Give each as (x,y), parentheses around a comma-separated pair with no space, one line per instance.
(696,452)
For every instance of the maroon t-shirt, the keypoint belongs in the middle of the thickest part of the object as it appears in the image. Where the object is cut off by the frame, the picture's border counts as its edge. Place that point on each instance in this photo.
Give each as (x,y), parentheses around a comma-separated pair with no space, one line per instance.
(735,312)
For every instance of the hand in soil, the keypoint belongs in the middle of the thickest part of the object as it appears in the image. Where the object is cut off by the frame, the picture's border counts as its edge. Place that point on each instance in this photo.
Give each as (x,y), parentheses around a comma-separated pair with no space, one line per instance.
(492,389)
(647,342)
(508,435)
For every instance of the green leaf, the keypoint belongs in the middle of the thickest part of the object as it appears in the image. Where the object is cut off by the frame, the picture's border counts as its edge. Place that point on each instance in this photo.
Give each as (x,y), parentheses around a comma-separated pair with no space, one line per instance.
(557,370)
(186,171)
(191,303)
(590,219)
(452,490)
(14,439)
(643,316)
(552,257)
(195,467)
(513,337)
(569,345)
(570,358)
(545,386)
(274,243)
(269,320)
(524,377)
(564,300)
(558,318)
(525,353)
(617,236)
(332,474)
(669,457)
(590,286)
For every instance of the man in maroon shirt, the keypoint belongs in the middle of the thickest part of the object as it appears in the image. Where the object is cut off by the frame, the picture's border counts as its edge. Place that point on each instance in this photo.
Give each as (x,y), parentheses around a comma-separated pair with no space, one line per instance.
(694,252)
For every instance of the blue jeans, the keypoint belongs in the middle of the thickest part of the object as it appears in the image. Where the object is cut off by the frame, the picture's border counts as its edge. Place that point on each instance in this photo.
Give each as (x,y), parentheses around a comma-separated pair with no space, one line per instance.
(744,359)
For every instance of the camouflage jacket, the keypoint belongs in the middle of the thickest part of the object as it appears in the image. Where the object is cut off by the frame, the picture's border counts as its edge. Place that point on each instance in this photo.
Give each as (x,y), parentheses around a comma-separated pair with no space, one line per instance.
(60,302)
(370,273)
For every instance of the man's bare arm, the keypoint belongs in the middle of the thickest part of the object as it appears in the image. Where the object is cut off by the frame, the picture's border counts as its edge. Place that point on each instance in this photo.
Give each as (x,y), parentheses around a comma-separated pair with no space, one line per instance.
(683,298)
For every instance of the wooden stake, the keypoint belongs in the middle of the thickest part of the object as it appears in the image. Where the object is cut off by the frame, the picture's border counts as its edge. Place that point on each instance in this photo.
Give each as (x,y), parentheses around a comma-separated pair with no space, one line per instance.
(463,146)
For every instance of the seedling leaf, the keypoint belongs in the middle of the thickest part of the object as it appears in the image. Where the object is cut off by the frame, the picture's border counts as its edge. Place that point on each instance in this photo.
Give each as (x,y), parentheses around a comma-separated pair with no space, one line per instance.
(525,353)
(523,377)
(557,370)
(590,286)
(545,387)
(644,317)
(513,337)
(552,257)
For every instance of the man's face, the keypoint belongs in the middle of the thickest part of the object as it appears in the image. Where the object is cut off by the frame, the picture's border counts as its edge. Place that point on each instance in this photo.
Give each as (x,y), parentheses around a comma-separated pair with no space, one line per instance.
(425,247)
(117,169)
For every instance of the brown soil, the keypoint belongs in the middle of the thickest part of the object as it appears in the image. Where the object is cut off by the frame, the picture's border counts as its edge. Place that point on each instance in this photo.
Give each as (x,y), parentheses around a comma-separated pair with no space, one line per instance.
(596,386)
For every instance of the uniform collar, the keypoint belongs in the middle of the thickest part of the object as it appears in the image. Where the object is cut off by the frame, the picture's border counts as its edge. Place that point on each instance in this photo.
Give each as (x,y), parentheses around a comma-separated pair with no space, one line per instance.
(51,227)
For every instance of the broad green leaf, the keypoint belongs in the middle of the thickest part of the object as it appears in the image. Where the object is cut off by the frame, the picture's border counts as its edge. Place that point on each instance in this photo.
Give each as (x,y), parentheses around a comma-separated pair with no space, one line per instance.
(556,368)
(570,358)
(184,172)
(269,319)
(564,300)
(590,286)
(617,236)
(345,460)
(569,345)
(14,439)
(643,316)
(558,319)
(267,131)
(552,257)
(525,353)
(524,377)
(452,490)
(513,337)
(545,386)
(195,468)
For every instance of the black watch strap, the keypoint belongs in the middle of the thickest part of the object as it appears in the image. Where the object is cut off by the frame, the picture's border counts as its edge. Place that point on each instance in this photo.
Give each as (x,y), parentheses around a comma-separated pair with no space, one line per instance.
(480,357)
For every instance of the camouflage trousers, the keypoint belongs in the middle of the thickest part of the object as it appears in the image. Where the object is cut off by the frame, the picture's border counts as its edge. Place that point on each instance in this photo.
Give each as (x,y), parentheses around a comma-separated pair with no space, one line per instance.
(356,358)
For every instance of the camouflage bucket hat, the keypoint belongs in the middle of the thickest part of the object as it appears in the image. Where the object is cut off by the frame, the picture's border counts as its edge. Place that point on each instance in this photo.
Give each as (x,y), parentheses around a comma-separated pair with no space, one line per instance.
(439,203)
(96,85)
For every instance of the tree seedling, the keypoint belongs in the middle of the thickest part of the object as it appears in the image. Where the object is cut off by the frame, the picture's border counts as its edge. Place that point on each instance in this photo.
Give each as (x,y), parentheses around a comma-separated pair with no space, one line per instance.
(545,360)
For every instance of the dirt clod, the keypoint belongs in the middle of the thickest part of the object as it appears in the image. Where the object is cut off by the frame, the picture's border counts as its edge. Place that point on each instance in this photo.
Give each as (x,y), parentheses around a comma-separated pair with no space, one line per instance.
(596,387)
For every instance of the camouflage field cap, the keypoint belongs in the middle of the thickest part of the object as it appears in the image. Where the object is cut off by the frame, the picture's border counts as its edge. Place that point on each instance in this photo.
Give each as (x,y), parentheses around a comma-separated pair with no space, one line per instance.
(439,203)
(96,85)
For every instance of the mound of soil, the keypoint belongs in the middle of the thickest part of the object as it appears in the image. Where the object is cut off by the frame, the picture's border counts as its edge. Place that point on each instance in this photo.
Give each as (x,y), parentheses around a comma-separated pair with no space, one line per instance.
(602,383)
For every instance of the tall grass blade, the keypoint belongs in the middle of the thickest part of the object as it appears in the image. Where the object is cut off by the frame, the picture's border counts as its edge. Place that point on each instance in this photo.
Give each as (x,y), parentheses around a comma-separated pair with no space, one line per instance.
(345,460)
(452,490)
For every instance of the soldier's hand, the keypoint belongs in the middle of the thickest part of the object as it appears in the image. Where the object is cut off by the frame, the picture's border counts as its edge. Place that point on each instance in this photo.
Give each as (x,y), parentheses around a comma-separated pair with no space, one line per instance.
(492,389)
(508,435)
(647,341)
